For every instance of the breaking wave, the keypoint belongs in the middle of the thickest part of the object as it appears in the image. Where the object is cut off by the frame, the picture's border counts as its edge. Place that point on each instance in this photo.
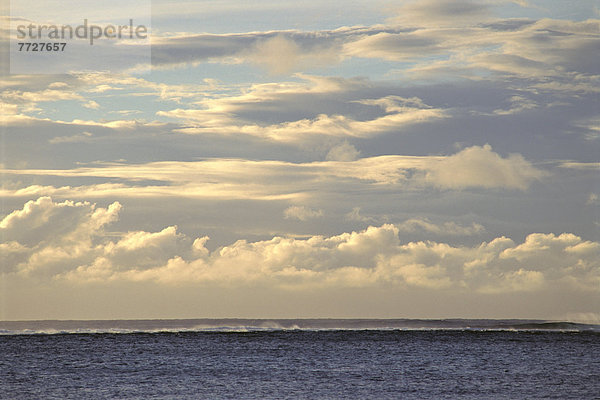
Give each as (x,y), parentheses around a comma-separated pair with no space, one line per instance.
(273,325)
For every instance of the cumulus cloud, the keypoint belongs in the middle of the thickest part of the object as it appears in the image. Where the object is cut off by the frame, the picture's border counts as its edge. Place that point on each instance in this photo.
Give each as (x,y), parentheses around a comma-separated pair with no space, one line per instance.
(368,258)
(480,166)
(44,236)
(44,219)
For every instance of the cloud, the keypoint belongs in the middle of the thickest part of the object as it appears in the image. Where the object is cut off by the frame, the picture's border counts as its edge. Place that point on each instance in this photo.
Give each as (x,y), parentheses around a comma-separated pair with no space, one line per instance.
(92,105)
(403,46)
(457,33)
(545,48)
(368,258)
(343,152)
(355,215)
(590,127)
(79,137)
(443,13)
(442,47)
(459,30)
(473,167)
(44,236)
(281,55)
(26,97)
(480,166)
(294,112)
(518,104)
(27,91)
(583,166)
(301,213)
(447,228)
(44,219)
(278,54)
(278,51)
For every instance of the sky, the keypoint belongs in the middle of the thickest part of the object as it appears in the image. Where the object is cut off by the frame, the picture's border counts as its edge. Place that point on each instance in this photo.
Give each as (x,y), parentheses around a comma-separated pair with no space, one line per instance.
(284,159)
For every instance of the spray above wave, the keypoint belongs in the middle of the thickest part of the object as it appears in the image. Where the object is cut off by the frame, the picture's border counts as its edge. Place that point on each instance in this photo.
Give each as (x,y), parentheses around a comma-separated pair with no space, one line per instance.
(268,325)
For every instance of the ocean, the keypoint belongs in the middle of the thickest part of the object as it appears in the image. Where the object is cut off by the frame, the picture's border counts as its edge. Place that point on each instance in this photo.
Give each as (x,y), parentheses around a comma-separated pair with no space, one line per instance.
(299,359)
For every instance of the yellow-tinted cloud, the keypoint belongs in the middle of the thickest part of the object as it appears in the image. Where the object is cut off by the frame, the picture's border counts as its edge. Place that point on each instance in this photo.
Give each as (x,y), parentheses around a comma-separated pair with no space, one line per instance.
(81,253)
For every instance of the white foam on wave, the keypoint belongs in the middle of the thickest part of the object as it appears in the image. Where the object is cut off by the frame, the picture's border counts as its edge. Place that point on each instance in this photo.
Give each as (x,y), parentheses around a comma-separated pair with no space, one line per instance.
(283,325)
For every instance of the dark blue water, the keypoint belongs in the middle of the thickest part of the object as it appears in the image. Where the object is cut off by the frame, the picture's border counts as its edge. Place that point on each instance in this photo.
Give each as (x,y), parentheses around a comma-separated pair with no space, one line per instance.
(273,363)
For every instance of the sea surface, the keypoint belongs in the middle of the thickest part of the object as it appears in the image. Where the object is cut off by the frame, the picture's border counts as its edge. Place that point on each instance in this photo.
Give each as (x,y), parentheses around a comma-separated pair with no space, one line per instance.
(299,359)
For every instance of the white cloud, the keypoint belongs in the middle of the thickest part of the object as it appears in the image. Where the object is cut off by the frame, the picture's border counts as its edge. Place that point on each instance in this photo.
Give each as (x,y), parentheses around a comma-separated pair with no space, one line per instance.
(27,97)
(278,51)
(44,219)
(92,105)
(369,258)
(281,55)
(301,213)
(584,166)
(271,180)
(453,28)
(80,137)
(45,237)
(445,44)
(404,46)
(343,152)
(480,166)
(303,105)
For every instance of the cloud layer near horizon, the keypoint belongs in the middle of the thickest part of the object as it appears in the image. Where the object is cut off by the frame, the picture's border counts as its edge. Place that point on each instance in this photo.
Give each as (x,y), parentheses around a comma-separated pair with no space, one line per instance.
(68,241)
